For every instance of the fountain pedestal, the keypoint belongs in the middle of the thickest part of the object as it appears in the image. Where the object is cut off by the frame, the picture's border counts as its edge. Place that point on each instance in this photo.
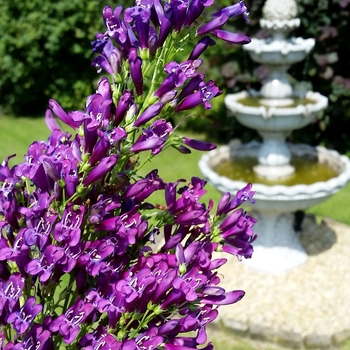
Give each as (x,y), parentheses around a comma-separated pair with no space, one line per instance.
(275,112)
(277,247)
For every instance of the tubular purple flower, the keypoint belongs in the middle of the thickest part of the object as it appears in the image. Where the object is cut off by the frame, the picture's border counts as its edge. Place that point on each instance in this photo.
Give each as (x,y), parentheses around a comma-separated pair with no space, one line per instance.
(191,86)
(195,10)
(37,338)
(214,24)
(198,145)
(141,16)
(100,170)
(50,121)
(201,46)
(68,229)
(68,324)
(124,103)
(60,113)
(180,9)
(44,265)
(23,318)
(231,37)
(106,141)
(147,145)
(169,83)
(166,25)
(233,11)
(205,93)
(151,112)
(135,70)
(224,299)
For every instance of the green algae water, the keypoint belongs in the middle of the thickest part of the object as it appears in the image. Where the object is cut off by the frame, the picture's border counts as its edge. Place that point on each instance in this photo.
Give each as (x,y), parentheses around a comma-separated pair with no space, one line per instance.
(254,101)
(307,171)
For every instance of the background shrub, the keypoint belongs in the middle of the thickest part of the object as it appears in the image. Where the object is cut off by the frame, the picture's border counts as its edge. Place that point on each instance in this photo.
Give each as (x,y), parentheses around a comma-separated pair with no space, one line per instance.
(45,52)
(325,70)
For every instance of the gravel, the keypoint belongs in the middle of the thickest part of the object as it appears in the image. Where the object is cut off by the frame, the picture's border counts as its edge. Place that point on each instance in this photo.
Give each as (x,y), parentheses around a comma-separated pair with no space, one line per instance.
(309,305)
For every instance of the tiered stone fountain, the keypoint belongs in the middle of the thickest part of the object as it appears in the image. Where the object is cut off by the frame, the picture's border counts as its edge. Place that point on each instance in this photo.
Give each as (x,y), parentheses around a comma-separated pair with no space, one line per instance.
(286,178)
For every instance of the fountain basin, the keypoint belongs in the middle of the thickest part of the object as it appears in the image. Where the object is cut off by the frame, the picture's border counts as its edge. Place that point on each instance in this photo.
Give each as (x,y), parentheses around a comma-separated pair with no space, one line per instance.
(275,118)
(277,248)
(292,198)
(280,53)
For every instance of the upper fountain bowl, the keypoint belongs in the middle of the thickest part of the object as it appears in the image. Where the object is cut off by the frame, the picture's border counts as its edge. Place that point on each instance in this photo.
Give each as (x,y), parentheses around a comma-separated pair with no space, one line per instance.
(253,111)
(270,52)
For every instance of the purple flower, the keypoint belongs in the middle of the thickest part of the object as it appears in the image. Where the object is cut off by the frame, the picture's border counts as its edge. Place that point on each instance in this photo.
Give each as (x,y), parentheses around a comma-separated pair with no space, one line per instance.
(23,318)
(68,324)
(151,112)
(37,338)
(198,145)
(205,93)
(226,204)
(224,299)
(124,103)
(189,283)
(231,37)
(153,138)
(146,340)
(196,9)
(68,230)
(10,292)
(43,266)
(60,113)
(135,70)
(100,339)
(39,225)
(141,17)
(110,60)
(201,46)
(214,24)
(166,24)
(100,170)
(233,11)
(106,142)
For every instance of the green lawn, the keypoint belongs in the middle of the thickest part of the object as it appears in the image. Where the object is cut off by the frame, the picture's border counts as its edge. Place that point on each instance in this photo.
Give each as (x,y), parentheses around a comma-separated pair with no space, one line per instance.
(17,133)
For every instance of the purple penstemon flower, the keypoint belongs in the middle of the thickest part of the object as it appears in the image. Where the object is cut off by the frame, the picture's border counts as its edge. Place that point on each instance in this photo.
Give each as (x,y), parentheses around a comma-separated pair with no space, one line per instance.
(135,70)
(231,37)
(23,318)
(153,138)
(233,11)
(195,10)
(205,93)
(151,112)
(44,266)
(201,46)
(81,238)
(100,170)
(68,229)
(68,324)
(141,16)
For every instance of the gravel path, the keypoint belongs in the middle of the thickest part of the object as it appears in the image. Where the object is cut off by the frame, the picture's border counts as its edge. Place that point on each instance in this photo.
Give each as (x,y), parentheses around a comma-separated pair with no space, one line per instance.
(309,305)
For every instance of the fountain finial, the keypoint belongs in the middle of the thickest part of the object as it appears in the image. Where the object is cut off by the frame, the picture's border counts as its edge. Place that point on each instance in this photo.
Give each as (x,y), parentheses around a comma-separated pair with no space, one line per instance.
(280,10)
(279,18)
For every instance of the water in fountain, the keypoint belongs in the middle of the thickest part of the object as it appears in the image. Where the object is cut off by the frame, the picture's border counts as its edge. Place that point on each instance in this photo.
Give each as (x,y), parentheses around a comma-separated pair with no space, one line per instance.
(275,167)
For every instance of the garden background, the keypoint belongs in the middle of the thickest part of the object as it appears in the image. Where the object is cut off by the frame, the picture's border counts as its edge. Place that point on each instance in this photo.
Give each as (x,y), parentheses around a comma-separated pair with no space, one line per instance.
(45,53)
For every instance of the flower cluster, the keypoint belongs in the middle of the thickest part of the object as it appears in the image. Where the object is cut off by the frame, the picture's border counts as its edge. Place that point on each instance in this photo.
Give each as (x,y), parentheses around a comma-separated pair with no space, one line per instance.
(86,260)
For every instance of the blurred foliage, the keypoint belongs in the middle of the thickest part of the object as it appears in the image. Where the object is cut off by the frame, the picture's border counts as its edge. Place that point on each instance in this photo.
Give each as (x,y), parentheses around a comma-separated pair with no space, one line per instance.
(45,52)
(325,70)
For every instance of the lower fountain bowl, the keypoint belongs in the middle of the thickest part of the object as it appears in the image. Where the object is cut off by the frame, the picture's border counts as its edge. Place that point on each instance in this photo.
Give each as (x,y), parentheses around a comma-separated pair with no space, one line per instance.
(277,248)
(279,197)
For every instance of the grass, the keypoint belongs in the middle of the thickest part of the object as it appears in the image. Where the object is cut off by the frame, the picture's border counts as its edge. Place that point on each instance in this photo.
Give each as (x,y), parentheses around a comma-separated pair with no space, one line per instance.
(17,133)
